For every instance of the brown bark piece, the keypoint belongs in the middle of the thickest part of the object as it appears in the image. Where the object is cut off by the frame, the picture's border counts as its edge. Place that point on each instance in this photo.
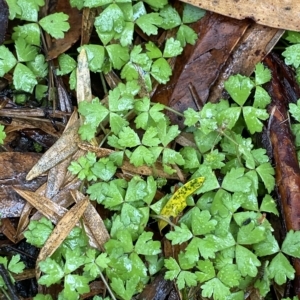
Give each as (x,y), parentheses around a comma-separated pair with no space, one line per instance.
(284,152)
(272,13)
(254,45)
(199,65)
(14,168)
(158,289)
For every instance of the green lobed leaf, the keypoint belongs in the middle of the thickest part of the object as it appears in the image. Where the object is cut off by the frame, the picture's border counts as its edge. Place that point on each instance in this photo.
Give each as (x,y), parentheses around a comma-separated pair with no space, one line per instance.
(53,273)
(280,269)
(2,134)
(25,52)
(118,55)
(191,157)
(142,155)
(152,50)
(156,3)
(15,265)
(294,110)
(239,88)
(202,223)
(95,55)
(38,66)
(230,275)
(125,289)
(268,246)
(215,288)
(38,232)
(186,35)
(161,70)
(14,9)
(186,278)
(261,98)
(291,244)
(29,9)
(55,24)
(292,37)
(128,138)
(155,264)
(251,234)
(266,173)
(172,48)
(29,32)
(262,74)
(146,246)
(104,169)
(246,261)
(94,112)
(207,270)
(149,23)
(269,205)
(292,56)
(180,235)
(191,13)
(252,118)
(236,181)
(24,79)
(173,268)
(74,259)
(7,60)
(171,18)
(75,284)
(171,156)
(166,133)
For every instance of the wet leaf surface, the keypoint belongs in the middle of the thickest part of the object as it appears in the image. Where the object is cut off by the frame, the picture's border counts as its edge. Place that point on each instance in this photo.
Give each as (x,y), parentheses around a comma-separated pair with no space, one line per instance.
(273,13)
(14,167)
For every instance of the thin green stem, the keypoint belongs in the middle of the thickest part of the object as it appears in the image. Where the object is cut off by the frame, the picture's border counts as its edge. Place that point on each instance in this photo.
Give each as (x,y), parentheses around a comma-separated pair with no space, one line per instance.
(103,83)
(171,110)
(5,293)
(107,286)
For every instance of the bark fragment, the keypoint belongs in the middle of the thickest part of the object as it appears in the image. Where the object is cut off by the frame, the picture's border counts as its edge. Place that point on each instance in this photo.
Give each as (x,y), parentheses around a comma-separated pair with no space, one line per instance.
(284,152)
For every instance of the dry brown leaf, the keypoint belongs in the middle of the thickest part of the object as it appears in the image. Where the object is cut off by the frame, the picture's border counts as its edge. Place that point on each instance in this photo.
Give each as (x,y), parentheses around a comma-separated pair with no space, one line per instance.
(14,167)
(25,214)
(272,13)
(62,230)
(48,208)
(93,221)
(7,228)
(56,177)
(88,19)
(65,146)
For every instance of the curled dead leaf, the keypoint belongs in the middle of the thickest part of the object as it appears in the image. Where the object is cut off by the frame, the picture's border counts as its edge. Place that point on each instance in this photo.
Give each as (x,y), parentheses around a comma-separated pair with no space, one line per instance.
(62,230)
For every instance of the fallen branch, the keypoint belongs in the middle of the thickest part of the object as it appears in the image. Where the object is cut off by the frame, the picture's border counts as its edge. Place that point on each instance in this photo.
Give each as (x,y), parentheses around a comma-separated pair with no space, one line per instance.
(284,152)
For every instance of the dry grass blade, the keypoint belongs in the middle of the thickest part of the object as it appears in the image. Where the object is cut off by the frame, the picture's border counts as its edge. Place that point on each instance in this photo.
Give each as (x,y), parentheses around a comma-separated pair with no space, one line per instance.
(83,78)
(62,230)
(25,215)
(56,177)
(49,209)
(272,13)
(65,146)
(93,221)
